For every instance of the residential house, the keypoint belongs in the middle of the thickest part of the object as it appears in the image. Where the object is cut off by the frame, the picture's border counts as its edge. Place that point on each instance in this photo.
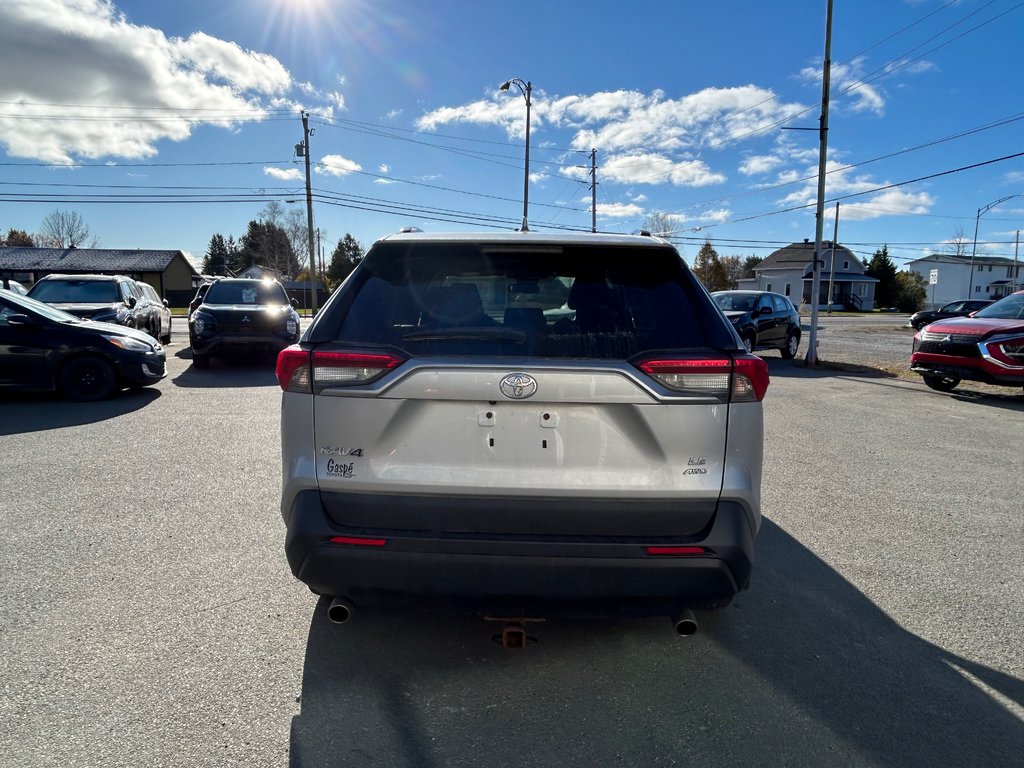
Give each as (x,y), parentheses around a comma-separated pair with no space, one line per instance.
(990,277)
(789,271)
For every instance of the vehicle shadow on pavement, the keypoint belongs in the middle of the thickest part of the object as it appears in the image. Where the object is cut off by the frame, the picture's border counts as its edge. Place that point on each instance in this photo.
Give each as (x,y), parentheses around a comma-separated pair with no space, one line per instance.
(252,371)
(802,670)
(826,370)
(39,411)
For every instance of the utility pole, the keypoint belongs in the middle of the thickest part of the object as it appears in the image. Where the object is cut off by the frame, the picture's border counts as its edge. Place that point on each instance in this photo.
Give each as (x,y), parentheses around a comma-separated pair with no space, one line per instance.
(812,345)
(1013,278)
(832,261)
(593,190)
(306,133)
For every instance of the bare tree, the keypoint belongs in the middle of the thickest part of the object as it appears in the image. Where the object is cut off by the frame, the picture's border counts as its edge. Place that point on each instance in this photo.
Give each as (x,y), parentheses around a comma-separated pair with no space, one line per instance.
(66,229)
(658,224)
(294,225)
(958,245)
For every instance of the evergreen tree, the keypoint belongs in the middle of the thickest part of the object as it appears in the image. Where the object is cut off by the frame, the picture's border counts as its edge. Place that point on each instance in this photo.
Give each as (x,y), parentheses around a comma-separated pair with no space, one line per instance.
(883,268)
(267,245)
(217,256)
(18,238)
(709,270)
(911,291)
(347,254)
(748,265)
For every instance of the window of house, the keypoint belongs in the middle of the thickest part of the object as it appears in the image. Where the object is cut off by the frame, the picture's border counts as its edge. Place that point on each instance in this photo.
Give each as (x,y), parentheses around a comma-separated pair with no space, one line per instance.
(846,265)
(862,289)
(787,289)
(769,287)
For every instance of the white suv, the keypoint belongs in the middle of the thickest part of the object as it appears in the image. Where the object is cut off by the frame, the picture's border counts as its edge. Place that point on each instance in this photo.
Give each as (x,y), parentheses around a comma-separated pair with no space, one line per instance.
(522,424)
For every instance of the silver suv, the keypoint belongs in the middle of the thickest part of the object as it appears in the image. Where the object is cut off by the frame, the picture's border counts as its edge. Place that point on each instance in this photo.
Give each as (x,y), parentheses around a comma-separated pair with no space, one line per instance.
(522,424)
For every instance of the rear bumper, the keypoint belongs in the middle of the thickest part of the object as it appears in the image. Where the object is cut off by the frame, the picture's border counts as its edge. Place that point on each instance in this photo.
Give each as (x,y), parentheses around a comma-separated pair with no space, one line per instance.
(583,575)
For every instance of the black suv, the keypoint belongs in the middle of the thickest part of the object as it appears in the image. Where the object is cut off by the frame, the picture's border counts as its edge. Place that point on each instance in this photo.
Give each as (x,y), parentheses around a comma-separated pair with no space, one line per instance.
(242,316)
(763,320)
(102,298)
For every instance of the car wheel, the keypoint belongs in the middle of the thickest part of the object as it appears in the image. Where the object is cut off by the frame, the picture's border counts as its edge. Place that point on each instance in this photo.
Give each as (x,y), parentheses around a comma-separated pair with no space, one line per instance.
(166,338)
(87,378)
(748,341)
(792,345)
(200,361)
(941,383)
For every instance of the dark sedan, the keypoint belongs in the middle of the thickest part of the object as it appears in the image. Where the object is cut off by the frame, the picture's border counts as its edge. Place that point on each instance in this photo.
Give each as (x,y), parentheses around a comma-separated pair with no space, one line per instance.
(961,308)
(104,298)
(43,348)
(241,316)
(763,320)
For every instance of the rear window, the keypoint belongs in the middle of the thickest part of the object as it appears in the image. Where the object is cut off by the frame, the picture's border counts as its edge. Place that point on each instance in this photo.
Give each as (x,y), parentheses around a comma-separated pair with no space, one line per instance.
(550,301)
(76,292)
(247,292)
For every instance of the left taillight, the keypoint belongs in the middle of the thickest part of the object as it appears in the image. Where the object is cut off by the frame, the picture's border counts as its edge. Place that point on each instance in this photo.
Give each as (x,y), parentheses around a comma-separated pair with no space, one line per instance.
(293,373)
(301,371)
(740,380)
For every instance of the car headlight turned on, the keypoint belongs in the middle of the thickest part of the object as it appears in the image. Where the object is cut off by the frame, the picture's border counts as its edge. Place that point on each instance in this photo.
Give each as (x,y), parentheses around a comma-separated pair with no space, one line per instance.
(130,344)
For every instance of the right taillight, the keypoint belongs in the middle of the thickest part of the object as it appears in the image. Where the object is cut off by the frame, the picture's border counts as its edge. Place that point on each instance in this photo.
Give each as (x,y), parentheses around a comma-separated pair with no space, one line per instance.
(301,371)
(741,380)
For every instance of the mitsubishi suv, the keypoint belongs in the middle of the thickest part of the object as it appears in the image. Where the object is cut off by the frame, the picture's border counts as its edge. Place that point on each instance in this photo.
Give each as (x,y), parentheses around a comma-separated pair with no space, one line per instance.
(519,424)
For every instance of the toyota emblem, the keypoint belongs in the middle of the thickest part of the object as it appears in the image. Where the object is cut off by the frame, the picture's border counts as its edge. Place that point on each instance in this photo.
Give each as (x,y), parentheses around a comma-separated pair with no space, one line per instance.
(518,386)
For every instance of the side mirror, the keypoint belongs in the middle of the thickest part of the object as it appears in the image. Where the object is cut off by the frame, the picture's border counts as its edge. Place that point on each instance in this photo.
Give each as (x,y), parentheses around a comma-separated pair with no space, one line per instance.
(166,304)
(131,302)
(294,303)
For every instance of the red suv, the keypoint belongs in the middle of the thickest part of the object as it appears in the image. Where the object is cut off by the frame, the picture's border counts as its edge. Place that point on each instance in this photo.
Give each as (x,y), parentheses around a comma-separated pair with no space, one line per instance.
(988,347)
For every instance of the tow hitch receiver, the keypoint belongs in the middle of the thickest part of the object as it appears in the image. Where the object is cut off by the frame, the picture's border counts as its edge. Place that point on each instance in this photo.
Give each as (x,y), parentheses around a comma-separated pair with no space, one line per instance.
(513,635)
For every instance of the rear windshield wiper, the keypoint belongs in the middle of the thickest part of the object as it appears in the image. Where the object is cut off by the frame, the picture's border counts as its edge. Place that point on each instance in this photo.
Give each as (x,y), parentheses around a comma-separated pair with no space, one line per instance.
(473,333)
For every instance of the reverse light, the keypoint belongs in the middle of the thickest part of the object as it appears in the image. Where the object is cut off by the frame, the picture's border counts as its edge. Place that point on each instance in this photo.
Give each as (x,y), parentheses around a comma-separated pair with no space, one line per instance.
(340,369)
(744,379)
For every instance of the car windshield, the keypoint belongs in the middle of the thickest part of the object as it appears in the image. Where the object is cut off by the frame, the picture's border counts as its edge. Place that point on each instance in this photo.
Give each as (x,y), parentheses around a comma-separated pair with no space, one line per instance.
(32,306)
(557,301)
(246,292)
(735,301)
(76,291)
(1008,308)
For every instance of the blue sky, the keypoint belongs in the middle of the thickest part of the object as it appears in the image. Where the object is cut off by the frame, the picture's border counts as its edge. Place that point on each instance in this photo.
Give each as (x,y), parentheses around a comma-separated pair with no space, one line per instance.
(196,105)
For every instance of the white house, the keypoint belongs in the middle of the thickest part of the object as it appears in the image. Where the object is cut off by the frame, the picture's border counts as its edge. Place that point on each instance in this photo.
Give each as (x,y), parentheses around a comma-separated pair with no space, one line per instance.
(992,277)
(789,271)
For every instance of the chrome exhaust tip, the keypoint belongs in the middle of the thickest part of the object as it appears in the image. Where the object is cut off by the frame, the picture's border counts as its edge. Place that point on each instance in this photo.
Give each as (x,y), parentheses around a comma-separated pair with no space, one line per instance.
(685,624)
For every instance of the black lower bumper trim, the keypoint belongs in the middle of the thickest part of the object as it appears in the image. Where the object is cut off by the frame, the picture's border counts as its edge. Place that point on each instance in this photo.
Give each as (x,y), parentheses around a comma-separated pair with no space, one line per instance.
(493,573)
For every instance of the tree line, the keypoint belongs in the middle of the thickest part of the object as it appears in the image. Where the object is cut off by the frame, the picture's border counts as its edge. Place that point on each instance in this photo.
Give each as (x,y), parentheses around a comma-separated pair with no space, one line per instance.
(279,241)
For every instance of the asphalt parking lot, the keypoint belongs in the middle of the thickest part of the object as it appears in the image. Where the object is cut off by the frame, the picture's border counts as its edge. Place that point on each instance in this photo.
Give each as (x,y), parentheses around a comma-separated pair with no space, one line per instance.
(148,617)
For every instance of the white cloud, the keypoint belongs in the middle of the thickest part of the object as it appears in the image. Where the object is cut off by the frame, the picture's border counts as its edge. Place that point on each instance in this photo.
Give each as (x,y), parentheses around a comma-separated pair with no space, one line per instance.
(285,174)
(336,165)
(384,168)
(891,202)
(846,84)
(337,99)
(85,52)
(647,168)
(225,60)
(618,210)
(384,181)
(393,114)
(756,164)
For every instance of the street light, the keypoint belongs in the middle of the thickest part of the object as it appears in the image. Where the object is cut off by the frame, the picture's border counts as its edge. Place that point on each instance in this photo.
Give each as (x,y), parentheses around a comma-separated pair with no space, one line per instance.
(974,248)
(525,88)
